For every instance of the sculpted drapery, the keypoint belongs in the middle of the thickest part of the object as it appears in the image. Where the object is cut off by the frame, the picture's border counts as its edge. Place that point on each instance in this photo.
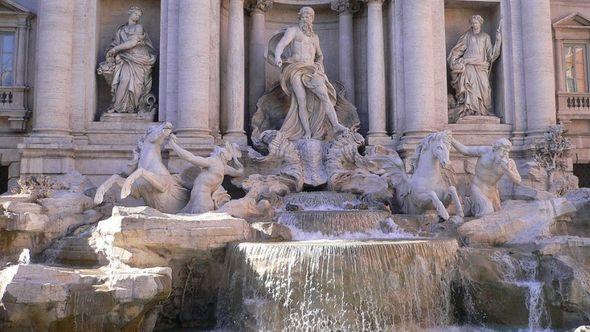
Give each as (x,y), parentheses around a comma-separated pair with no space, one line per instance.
(312,77)
(129,61)
(470,62)
(311,111)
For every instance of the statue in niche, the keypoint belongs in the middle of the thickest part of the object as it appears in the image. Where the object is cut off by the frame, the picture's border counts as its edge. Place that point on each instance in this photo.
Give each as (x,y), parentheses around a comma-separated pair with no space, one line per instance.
(130,59)
(493,162)
(207,194)
(296,50)
(470,62)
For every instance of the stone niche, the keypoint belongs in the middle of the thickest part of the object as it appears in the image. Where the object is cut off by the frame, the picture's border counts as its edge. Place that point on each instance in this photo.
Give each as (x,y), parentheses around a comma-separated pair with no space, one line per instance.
(111,15)
(285,13)
(457,15)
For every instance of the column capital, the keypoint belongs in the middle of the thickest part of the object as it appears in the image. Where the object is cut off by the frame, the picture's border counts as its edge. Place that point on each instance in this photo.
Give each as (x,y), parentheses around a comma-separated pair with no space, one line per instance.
(345,6)
(259,5)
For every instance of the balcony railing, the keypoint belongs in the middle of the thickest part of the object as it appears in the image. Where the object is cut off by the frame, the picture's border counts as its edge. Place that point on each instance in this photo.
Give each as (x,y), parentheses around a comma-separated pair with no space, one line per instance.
(573,105)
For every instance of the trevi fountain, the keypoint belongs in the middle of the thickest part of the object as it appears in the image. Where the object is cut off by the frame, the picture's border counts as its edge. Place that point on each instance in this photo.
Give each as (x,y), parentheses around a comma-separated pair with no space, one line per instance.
(295,165)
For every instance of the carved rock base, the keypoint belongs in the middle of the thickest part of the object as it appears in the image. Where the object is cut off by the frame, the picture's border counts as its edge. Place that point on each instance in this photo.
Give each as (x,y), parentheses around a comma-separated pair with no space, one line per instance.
(312,157)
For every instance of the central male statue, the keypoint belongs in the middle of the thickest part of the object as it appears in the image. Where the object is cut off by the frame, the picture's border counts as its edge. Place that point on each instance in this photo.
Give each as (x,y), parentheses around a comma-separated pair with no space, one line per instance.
(296,50)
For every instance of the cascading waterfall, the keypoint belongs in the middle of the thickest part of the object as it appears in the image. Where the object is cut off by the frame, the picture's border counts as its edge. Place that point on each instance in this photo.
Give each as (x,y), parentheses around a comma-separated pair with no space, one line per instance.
(523,273)
(338,285)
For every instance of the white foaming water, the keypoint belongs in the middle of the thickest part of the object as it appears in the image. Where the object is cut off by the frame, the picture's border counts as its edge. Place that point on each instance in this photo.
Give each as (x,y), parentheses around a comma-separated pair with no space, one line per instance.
(385,230)
(338,285)
(24,257)
(523,273)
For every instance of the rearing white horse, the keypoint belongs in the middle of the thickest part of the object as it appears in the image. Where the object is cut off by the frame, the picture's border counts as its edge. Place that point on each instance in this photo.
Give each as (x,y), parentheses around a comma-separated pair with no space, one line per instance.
(427,187)
(147,176)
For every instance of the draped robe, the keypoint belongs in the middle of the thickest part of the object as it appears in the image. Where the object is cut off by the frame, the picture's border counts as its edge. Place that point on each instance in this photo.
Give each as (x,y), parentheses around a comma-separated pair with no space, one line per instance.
(470,62)
(132,79)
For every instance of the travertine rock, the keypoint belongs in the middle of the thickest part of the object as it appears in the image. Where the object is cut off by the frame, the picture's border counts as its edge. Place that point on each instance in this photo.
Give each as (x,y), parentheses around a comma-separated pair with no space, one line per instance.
(487,293)
(41,298)
(517,222)
(34,226)
(565,270)
(273,231)
(145,237)
(193,246)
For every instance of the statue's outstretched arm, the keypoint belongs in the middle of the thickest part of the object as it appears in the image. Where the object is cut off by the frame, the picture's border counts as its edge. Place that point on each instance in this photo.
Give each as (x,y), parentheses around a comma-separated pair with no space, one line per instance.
(472,151)
(233,172)
(186,155)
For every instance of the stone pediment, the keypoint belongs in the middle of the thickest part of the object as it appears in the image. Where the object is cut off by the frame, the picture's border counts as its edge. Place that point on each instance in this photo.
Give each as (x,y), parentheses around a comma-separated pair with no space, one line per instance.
(575,20)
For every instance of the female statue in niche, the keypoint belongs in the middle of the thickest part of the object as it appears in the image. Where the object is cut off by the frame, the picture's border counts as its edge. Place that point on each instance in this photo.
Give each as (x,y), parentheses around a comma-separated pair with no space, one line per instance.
(130,59)
(470,62)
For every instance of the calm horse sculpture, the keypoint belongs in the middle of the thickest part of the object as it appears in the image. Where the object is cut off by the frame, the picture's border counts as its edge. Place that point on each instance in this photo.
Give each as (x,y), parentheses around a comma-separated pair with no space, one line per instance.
(428,187)
(147,177)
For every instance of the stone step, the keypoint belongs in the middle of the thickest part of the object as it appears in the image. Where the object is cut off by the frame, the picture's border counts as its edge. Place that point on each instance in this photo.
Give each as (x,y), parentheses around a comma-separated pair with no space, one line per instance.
(335,222)
(319,198)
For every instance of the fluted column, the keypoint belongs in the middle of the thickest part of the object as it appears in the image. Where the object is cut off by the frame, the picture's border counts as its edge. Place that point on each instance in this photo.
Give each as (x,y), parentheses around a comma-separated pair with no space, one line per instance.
(376,73)
(346,10)
(54,68)
(256,64)
(234,130)
(193,73)
(538,65)
(418,68)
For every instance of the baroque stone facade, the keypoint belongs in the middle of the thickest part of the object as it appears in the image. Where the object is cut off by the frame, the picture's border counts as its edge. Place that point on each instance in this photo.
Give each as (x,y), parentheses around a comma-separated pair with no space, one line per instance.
(388,58)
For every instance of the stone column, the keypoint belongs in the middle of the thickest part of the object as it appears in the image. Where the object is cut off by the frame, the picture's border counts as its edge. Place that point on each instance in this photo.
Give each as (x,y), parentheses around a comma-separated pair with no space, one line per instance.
(376,73)
(234,83)
(193,73)
(256,64)
(346,10)
(54,68)
(418,67)
(538,65)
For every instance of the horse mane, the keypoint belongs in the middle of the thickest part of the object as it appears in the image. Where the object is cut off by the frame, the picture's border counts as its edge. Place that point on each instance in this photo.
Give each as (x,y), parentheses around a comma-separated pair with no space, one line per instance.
(133,164)
(415,159)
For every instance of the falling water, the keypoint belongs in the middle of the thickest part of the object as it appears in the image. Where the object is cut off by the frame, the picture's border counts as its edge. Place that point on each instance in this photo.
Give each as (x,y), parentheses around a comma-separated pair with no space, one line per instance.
(334,223)
(338,285)
(523,273)
(24,257)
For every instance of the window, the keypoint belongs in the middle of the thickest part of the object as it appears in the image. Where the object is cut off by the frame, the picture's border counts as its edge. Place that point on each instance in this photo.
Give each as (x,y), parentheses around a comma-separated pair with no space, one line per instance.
(575,67)
(6,58)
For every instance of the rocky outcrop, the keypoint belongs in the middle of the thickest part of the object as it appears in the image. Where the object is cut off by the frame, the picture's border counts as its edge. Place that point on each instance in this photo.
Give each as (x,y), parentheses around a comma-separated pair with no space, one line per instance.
(41,298)
(29,223)
(517,222)
(193,246)
(488,292)
(565,271)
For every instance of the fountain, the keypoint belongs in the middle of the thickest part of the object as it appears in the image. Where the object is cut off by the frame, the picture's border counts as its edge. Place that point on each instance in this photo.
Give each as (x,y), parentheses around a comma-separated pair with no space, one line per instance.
(328,235)
(346,285)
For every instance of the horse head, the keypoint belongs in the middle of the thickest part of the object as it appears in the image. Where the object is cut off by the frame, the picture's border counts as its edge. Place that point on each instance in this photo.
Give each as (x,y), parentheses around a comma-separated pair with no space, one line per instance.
(438,144)
(156,134)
